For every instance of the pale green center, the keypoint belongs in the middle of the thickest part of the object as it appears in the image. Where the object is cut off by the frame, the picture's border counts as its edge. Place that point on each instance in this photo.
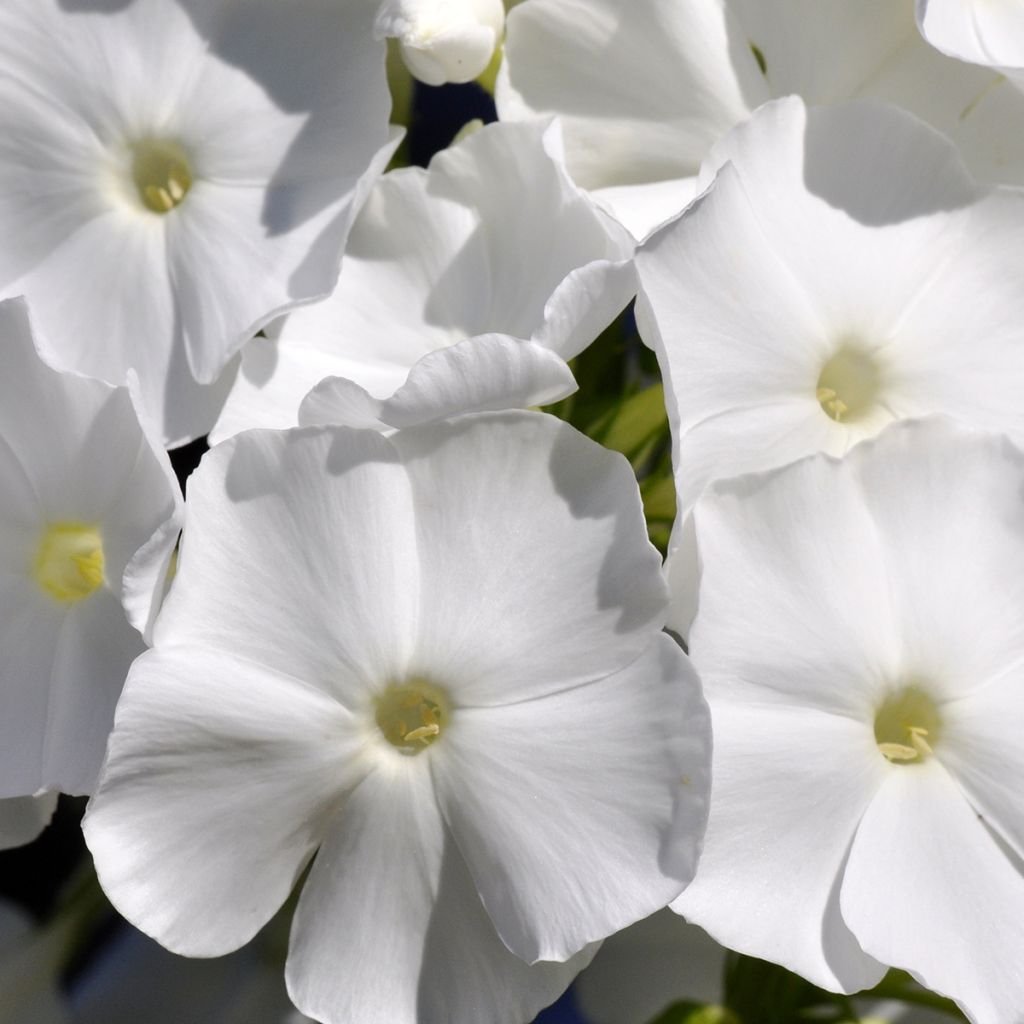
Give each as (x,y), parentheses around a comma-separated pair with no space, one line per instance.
(69,561)
(849,384)
(413,716)
(908,726)
(162,174)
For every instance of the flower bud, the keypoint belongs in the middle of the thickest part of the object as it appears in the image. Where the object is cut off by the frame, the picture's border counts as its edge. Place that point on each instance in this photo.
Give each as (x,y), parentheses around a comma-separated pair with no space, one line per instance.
(444,40)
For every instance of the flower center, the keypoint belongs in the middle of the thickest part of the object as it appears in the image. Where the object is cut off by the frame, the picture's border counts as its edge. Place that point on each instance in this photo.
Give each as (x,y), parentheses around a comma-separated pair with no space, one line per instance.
(849,384)
(162,174)
(412,717)
(69,561)
(907,726)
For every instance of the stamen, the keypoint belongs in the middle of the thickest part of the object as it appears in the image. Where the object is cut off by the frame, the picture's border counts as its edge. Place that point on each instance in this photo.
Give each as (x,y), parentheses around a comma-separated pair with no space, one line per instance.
(162,174)
(907,726)
(849,383)
(69,563)
(412,717)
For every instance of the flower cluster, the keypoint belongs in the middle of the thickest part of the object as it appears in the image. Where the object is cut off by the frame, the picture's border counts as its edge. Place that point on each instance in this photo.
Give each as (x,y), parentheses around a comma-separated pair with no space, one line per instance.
(400,695)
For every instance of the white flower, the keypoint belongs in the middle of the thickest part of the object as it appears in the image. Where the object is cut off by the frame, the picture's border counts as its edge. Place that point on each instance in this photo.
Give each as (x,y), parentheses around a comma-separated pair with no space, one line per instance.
(438,658)
(88,523)
(860,637)
(444,40)
(645,87)
(464,287)
(22,818)
(842,271)
(980,31)
(174,174)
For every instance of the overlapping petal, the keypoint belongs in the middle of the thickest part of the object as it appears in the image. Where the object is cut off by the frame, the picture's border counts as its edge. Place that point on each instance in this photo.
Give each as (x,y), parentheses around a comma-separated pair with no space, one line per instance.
(255,225)
(224,800)
(613,840)
(491,239)
(389,904)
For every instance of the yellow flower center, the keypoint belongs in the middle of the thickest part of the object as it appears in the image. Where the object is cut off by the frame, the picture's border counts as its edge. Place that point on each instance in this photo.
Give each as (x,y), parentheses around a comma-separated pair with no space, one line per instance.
(908,726)
(162,174)
(412,717)
(69,561)
(849,384)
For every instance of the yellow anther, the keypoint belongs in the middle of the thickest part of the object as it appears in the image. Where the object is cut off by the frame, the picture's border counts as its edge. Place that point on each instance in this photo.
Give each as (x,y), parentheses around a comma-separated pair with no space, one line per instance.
(69,563)
(849,383)
(162,174)
(832,403)
(425,733)
(419,703)
(907,725)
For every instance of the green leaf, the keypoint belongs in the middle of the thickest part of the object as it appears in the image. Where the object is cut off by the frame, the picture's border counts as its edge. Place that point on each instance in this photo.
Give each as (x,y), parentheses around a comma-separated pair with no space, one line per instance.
(632,425)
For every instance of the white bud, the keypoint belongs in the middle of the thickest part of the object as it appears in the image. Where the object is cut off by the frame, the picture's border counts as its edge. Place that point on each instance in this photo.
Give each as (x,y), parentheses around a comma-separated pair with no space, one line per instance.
(444,40)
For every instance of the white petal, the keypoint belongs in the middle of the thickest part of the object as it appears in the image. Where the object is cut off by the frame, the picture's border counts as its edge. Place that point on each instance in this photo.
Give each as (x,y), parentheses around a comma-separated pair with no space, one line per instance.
(827,637)
(584,304)
(265,220)
(538,228)
(859,200)
(981,110)
(789,787)
(536,569)
(606,69)
(928,889)
(946,505)
(980,32)
(956,354)
(980,747)
(335,506)
(732,368)
(581,812)
(22,818)
(91,657)
(823,49)
(208,810)
(490,372)
(390,930)
(641,209)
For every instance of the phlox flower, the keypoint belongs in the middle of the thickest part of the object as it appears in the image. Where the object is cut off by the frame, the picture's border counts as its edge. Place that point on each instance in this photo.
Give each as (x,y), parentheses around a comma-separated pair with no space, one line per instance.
(435,660)
(444,40)
(464,287)
(644,88)
(860,638)
(842,271)
(88,523)
(175,173)
(979,31)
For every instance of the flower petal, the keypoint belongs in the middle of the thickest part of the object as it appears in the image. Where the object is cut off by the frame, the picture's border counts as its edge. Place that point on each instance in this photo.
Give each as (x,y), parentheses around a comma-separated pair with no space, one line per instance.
(208,810)
(345,616)
(946,501)
(510,612)
(642,92)
(581,812)
(790,786)
(827,637)
(927,888)
(390,930)
(490,372)
(982,33)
